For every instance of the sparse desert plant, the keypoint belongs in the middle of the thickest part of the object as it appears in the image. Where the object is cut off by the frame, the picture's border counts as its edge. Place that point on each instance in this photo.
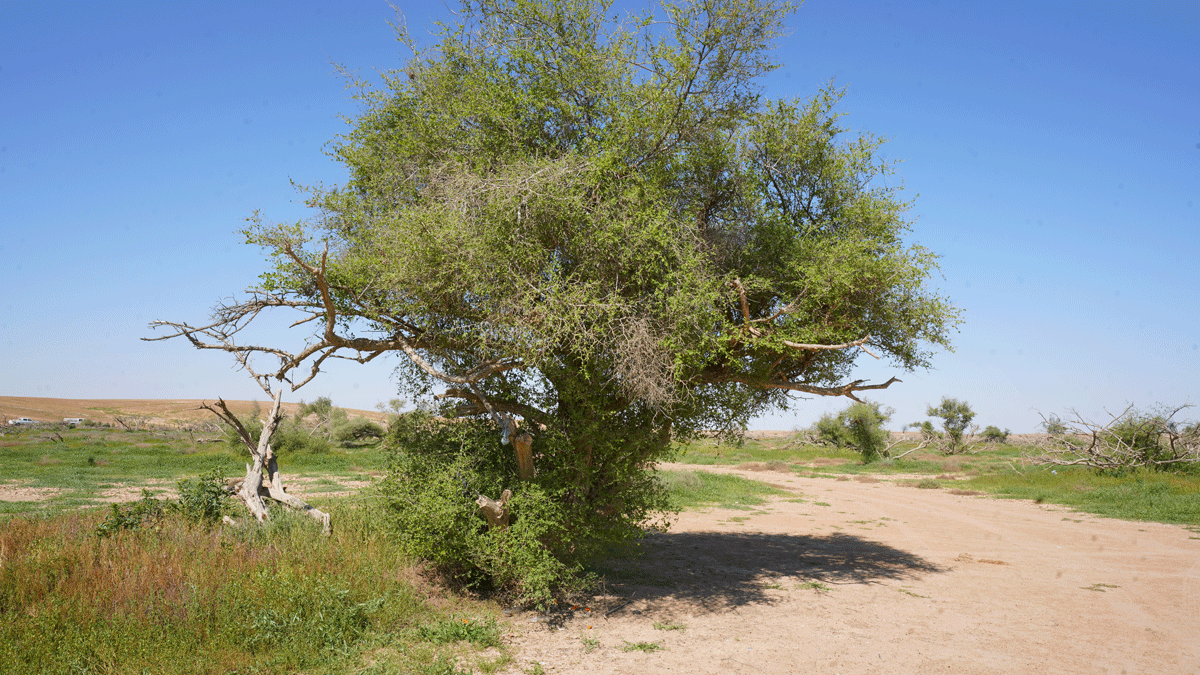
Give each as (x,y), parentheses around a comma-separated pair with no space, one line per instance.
(1053,425)
(647,647)
(1134,438)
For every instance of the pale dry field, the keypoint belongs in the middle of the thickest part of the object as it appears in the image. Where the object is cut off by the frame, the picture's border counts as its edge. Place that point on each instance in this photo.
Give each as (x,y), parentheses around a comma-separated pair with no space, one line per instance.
(154,411)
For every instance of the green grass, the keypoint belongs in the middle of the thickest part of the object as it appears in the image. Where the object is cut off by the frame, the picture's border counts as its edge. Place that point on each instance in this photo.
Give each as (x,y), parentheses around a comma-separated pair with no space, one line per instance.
(276,599)
(697,489)
(1138,495)
(996,469)
(88,461)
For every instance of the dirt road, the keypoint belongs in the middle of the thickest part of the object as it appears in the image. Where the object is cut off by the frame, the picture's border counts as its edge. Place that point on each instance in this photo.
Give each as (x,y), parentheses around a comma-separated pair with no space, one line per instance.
(873,577)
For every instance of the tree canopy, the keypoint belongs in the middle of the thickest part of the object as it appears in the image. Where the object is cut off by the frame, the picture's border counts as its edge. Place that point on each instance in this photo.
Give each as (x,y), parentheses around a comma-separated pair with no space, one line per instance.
(598,223)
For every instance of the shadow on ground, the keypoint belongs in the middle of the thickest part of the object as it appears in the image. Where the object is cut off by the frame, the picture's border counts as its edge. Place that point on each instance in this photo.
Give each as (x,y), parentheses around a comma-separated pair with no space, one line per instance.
(718,570)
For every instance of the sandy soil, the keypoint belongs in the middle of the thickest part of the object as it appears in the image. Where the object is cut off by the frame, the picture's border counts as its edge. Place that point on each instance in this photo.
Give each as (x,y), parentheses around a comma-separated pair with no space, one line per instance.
(870,577)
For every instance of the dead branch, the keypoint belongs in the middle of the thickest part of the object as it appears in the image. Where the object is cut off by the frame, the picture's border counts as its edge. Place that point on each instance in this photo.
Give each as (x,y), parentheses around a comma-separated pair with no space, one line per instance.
(1129,439)
(847,390)
(887,451)
(262,474)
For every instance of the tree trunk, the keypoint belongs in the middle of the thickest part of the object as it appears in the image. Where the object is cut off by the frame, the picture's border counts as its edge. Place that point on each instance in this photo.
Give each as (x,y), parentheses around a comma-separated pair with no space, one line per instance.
(262,474)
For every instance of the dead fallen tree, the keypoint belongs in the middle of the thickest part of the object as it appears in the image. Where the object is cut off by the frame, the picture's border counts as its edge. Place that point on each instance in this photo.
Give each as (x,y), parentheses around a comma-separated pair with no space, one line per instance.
(263,479)
(1128,440)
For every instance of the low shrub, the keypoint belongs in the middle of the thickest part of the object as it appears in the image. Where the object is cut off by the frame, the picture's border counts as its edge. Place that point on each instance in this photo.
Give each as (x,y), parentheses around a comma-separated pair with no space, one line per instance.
(439,468)
(859,426)
(145,512)
(993,434)
(205,500)
(357,430)
(290,438)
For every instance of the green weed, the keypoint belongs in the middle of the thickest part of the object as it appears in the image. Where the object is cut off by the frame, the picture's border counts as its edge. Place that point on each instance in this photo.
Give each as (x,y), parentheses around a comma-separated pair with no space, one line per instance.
(647,647)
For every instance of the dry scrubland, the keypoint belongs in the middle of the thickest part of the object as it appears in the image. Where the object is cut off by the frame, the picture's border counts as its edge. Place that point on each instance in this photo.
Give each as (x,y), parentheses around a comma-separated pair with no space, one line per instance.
(786,558)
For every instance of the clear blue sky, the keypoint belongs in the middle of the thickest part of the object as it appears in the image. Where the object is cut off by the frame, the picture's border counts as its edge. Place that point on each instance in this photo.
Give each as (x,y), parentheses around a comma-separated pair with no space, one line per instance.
(1052,149)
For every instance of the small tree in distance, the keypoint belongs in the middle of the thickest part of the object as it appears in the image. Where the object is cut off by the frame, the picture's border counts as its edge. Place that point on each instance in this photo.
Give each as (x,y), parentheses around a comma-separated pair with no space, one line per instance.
(956,415)
(1053,425)
(992,434)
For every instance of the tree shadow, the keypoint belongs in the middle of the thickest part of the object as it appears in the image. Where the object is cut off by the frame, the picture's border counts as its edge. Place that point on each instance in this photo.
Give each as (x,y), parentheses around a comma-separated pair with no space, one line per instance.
(719,570)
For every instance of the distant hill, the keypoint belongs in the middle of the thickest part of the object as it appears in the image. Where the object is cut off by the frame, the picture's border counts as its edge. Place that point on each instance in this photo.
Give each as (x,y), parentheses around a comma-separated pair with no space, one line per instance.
(154,411)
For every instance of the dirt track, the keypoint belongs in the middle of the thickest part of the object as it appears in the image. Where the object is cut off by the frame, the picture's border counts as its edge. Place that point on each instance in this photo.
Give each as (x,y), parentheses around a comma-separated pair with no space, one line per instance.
(919,581)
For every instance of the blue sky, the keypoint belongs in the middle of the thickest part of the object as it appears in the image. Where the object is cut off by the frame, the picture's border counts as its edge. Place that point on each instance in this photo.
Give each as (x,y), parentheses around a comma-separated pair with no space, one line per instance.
(1052,150)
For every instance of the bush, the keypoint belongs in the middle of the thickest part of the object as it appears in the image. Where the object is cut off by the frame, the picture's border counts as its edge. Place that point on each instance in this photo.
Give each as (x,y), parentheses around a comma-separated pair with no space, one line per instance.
(290,438)
(438,468)
(860,426)
(993,434)
(927,430)
(357,430)
(831,430)
(206,500)
(145,512)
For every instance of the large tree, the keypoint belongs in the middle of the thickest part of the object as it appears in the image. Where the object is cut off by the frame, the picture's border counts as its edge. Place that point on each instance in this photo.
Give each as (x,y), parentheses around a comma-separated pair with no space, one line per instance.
(600,225)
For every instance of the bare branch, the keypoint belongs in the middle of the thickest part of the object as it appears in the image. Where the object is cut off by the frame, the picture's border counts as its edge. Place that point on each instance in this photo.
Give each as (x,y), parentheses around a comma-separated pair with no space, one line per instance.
(847,390)
(846,345)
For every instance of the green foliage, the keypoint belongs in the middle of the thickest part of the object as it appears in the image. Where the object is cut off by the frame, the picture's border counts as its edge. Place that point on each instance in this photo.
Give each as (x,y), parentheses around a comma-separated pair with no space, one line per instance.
(992,434)
(484,633)
(859,426)
(291,438)
(609,214)
(357,430)
(831,429)
(926,429)
(146,512)
(205,500)
(956,415)
(437,470)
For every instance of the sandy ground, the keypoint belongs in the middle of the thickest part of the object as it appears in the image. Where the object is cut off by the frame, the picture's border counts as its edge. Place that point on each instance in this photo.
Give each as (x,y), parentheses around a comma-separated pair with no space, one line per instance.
(876,577)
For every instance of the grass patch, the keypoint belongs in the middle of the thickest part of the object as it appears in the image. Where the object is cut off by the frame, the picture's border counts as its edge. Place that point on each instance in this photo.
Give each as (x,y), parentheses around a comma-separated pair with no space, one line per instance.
(273,599)
(697,489)
(1137,495)
(669,626)
(89,460)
